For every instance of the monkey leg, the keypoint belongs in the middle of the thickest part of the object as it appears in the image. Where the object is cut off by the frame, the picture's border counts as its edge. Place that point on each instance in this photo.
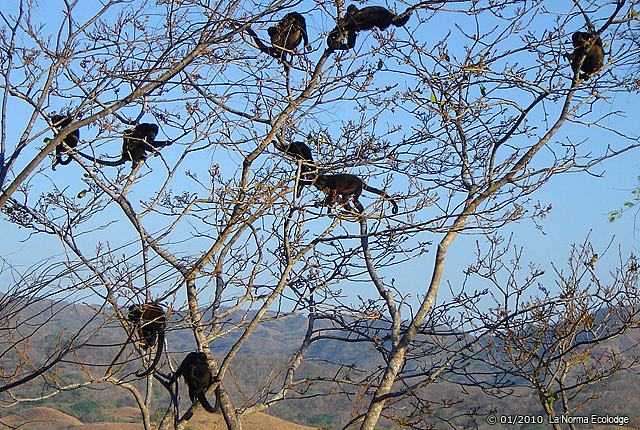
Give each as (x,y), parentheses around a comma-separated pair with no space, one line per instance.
(357,204)
(150,335)
(329,201)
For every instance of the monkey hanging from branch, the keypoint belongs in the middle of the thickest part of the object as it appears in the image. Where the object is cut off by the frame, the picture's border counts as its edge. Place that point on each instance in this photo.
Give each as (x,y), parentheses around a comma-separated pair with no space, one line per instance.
(342,187)
(366,18)
(150,322)
(198,377)
(285,37)
(58,122)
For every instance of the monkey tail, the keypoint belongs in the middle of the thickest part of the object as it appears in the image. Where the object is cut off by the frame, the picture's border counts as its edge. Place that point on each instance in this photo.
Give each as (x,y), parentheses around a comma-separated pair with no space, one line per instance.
(113,163)
(206,405)
(60,160)
(402,19)
(383,195)
(60,151)
(156,358)
(274,52)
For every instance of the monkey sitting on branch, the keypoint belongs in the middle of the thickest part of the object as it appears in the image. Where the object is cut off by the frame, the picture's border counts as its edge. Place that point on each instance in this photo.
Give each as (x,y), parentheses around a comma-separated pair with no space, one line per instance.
(150,321)
(285,37)
(587,55)
(198,377)
(342,187)
(366,18)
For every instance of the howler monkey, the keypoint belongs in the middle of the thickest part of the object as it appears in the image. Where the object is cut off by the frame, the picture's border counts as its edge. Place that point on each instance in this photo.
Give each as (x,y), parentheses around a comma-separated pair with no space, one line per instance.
(136,143)
(289,32)
(198,377)
(138,140)
(285,37)
(300,151)
(150,321)
(341,187)
(71,140)
(585,46)
(366,18)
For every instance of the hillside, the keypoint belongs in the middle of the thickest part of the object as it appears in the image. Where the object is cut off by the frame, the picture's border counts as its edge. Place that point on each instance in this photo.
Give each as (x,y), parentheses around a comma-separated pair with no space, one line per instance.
(264,356)
(47,418)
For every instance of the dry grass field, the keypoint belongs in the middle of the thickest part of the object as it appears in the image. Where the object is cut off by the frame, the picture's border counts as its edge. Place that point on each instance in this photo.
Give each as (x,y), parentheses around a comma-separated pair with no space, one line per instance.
(51,419)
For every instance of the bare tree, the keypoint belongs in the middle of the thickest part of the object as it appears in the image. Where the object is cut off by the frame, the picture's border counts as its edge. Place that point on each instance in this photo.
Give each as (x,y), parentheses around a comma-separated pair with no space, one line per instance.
(560,345)
(459,127)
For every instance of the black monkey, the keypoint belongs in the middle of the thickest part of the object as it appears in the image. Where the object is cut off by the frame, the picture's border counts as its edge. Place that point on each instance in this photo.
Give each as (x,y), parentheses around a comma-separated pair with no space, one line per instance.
(138,140)
(585,46)
(285,37)
(289,32)
(136,143)
(150,321)
(300,151)
(366,18)
(71,140)
(198,377)
(341,187)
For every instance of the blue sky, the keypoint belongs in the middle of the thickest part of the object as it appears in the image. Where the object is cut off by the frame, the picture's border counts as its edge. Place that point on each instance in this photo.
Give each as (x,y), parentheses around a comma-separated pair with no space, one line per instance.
(580,202)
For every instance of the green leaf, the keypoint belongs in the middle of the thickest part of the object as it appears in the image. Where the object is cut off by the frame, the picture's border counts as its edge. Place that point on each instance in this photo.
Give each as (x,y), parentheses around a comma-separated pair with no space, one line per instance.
(628,204)
(82,193)
(614,215)
(433,97)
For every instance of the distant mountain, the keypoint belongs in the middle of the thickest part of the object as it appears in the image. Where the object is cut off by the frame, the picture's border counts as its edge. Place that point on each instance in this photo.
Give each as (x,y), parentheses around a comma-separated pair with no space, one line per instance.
(262,358)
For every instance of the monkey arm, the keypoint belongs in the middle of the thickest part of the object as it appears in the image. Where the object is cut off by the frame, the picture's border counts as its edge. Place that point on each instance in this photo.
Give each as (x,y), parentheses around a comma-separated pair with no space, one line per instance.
(351,39)
(259,43)
(67,145)
(305,38)
(172,380)
(158,144)
(339,32)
